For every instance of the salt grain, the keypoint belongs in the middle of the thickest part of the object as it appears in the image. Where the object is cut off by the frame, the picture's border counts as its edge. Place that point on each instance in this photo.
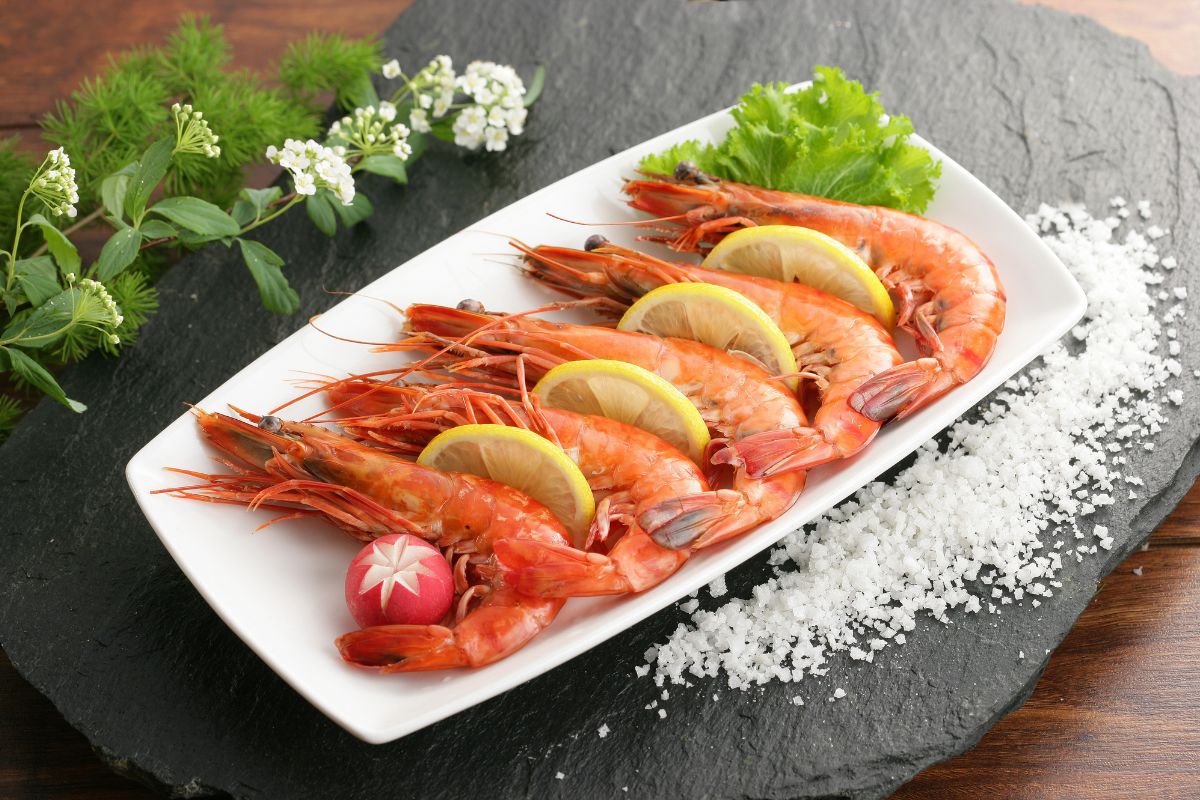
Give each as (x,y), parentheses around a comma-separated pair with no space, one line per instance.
(602,731)
(1137,571)
(973,508)
(559,775)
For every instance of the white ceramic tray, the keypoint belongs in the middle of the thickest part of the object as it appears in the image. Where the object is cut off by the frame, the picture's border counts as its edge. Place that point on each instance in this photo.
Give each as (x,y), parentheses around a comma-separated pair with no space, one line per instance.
(281,590)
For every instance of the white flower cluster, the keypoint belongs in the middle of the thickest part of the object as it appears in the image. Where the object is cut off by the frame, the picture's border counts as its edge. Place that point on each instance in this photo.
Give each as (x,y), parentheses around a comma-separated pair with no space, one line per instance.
(498,110)
(433,91)
(54,183)
(109,315)
(192,134)
(371,130)
(314,166)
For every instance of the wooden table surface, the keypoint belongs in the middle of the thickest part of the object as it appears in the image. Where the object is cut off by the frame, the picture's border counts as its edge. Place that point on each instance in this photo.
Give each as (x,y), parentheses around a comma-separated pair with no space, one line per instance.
(1117,712)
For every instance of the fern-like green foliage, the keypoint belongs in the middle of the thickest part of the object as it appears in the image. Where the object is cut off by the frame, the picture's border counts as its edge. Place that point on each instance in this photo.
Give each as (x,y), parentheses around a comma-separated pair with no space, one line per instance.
(113,117)
(11,410)
(16,168)
(329,62)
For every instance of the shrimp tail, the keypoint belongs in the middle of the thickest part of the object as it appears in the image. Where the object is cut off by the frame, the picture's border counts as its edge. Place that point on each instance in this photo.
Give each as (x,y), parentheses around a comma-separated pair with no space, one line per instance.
(502,625)
(541,569)
(772,452)
(902,390)
(679,522)
(402,648)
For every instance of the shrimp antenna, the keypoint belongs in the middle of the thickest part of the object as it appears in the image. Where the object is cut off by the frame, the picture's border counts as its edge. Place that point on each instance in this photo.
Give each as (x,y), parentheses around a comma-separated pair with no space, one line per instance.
(627,222)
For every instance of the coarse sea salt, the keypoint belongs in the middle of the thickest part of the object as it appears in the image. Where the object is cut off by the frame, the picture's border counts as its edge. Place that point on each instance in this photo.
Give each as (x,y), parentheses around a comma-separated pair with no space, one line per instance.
(969,512)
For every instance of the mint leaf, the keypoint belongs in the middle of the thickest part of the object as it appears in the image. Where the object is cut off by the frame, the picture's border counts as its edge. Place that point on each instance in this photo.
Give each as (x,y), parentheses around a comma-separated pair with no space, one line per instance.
(150,170)
(118,253)
(264,265)
(37,278)
(320,211)
(196,215)
(387,165)
(157,229)
(58,244)
(356,212)
(534,90)
(113,190)
(36,375)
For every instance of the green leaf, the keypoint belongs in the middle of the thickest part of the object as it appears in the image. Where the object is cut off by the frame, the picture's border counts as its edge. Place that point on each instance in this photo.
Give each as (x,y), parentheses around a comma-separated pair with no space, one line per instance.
(356,212)
(358,92)
(150,170)
(33,372)
(320,210)
(196,215)
(243,212)
(534,90)
(113,190)
(387,165)
(418,142)
(443,128)
(264,265)
(58,244)
(38,279)
(157,229)
(832,139)
(261,198)
(118,253)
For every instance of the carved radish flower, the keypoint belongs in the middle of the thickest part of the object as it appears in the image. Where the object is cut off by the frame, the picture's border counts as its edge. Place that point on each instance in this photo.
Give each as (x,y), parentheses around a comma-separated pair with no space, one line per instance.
(399,580)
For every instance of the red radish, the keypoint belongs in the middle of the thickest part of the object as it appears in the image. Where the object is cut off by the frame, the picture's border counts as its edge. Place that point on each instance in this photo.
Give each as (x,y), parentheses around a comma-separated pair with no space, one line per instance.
(399,579)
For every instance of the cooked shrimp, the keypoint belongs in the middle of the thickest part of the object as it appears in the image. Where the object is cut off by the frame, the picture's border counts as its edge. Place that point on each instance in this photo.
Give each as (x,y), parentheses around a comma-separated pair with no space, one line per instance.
(304,470)
(736,398)
(654,492)
(837,346)
(946,290)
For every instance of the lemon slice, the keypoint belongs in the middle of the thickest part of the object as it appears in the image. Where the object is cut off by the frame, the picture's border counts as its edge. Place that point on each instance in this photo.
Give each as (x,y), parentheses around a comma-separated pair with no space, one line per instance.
(790,253)
(717,316)
(629,394)
(522,460)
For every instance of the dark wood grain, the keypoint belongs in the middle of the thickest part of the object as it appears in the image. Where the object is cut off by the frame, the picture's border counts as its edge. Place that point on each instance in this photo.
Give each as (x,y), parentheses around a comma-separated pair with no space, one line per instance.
(1115,713)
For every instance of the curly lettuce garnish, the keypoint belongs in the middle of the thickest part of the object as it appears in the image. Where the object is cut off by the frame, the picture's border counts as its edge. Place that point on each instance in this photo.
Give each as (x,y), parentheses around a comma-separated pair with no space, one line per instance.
(831,139)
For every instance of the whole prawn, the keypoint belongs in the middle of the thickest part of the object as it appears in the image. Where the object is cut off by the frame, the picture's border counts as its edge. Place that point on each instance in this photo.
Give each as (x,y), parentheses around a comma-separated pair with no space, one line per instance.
(734,397)
(837,346)
(946,290)
(654,491)
(305,470)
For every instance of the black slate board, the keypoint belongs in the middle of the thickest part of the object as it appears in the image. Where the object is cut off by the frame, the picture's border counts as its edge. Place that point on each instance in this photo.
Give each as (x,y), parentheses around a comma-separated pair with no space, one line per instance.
(1041,106)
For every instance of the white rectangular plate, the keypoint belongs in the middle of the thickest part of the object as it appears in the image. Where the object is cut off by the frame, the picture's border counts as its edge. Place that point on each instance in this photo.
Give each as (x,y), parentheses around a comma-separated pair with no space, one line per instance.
(281,590)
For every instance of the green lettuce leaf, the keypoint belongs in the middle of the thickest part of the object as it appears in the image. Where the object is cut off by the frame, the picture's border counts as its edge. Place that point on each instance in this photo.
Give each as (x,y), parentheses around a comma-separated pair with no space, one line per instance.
(832,139)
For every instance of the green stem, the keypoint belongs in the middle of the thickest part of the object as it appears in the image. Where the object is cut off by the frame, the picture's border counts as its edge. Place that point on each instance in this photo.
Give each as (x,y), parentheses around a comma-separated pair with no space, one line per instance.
(12,257)
(288,200)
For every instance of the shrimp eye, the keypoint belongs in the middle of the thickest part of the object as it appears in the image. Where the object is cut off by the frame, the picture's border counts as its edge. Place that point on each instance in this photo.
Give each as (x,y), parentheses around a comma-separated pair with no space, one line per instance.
(474,306)
(270,424)
(594,242)
(688,171)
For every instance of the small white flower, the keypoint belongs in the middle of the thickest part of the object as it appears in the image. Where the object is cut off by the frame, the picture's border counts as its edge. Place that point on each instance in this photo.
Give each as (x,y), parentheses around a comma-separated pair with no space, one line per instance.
(54,183)
(497,117)
(314,166)
(472,83)
(391,69)
(305,184)
(424,100)
(442,104)
(419,119)
(472,119)
(496,138)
